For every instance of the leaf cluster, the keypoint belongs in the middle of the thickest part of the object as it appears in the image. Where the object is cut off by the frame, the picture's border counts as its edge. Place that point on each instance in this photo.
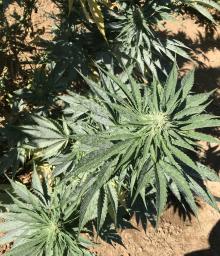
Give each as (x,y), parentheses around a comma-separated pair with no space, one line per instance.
(121,141)
(128,141)
(43,221)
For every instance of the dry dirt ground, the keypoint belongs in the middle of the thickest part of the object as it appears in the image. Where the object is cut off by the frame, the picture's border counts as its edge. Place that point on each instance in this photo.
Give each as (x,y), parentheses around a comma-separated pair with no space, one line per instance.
(174,236)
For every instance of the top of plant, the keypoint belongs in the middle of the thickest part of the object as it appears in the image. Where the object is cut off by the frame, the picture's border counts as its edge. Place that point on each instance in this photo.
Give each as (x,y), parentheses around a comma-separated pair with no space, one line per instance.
(149,134)
(153,130)
(138,38)
(43,222)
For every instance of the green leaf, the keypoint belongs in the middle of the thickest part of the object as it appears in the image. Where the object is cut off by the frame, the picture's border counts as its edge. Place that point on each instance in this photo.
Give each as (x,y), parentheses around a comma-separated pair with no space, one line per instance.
(161,194)
(113,199)
(144,181)
(201,136)
(187,83)
(126,158)
(202,124)
(105,173)
(174,189)
(203,11)
(197,99)
(95,159)
(183,157)
(209,3)
(171,83)
(12,226)
(23,249)
(180,141)
(102,209)
(88,209)
(135,91)
(70,5)
(207,173)
(21,191)
(123,87)
(181,183)
(190,111)
(10,236)
(202,192)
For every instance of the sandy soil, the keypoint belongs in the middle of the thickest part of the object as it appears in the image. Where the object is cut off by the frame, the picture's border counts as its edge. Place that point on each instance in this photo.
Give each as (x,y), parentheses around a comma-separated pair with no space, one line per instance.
(174,236)
(41,18)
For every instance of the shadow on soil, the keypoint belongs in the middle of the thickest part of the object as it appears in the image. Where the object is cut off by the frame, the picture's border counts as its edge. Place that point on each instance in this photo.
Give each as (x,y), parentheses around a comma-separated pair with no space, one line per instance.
(212,156)
(214,243)
(208,79)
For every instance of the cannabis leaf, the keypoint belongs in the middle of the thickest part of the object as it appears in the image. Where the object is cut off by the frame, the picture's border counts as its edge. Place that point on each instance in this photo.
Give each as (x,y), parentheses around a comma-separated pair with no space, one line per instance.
(139,42)
(47,135)
(202,6)
(157,134)
(44,221)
